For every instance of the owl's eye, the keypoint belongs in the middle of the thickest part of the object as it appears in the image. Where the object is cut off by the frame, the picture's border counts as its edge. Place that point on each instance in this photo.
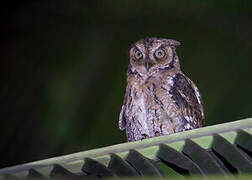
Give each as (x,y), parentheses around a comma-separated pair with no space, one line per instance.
(138,55)
(160,53)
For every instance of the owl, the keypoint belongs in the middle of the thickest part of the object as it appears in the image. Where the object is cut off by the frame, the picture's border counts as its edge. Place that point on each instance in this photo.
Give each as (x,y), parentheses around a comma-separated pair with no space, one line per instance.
(159,98)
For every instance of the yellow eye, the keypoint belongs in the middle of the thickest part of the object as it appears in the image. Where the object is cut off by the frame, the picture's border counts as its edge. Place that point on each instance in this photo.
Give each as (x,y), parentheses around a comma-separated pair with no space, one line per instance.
(138,55)
(160,53)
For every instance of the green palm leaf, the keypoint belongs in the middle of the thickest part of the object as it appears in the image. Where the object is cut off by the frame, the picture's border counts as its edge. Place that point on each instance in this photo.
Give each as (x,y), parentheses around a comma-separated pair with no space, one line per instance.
(224,149)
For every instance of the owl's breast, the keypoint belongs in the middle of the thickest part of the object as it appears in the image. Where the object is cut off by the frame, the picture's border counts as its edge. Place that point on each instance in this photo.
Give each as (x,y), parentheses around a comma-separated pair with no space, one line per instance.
(151,110)
(139,109)
(162,111)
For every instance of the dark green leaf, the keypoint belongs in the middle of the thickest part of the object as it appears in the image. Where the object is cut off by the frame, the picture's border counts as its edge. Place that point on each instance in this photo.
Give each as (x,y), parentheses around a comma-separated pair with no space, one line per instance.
(221,163)
(156,164)
(177,160)
(95,168)
(142,164)
(202,158)
(244,140)
(33,174)
(121,167)
(231,154)
(60,172)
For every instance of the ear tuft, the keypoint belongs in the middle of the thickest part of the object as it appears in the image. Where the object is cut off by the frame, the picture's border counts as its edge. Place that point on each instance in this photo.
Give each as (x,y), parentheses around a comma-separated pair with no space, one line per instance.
(174,42)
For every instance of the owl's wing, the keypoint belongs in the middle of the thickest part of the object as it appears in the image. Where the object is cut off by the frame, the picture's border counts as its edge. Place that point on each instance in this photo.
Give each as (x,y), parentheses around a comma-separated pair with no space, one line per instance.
(122,117)
(187,97)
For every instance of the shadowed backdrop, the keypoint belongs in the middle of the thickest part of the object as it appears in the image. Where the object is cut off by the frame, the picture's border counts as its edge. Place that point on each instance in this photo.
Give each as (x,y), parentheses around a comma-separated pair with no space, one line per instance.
(63,67)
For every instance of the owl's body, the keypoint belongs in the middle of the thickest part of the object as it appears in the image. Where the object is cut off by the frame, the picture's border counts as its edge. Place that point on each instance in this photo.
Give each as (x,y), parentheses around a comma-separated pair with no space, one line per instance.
(159,98)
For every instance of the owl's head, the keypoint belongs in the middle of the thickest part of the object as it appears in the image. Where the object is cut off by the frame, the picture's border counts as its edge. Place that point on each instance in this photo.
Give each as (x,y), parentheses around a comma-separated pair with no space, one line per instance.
(150,54)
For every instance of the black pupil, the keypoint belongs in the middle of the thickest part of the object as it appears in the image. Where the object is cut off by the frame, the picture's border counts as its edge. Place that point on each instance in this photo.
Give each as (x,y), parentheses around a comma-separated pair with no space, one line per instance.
(160,53)
(138,54)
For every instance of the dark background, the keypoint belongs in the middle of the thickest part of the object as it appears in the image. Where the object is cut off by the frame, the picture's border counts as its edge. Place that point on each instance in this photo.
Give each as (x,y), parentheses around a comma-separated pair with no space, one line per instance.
(63,67)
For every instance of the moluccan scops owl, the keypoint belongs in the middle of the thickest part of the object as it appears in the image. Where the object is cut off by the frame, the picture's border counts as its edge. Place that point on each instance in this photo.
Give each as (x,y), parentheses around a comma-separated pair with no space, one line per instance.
(159,98)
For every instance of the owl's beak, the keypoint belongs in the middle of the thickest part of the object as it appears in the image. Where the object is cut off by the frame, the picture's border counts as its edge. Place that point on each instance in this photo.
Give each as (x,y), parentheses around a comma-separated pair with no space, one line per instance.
(147,65)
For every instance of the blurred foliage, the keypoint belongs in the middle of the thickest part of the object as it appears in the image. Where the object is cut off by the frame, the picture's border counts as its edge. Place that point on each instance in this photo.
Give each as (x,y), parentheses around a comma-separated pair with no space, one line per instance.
(63,67)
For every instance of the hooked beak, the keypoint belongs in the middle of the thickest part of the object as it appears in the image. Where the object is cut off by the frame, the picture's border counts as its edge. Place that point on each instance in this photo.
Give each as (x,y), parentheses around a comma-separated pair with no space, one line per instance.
(147,66)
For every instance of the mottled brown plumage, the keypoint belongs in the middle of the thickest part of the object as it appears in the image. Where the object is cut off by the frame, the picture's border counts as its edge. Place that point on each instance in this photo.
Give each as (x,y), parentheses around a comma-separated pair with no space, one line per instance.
(159,98)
